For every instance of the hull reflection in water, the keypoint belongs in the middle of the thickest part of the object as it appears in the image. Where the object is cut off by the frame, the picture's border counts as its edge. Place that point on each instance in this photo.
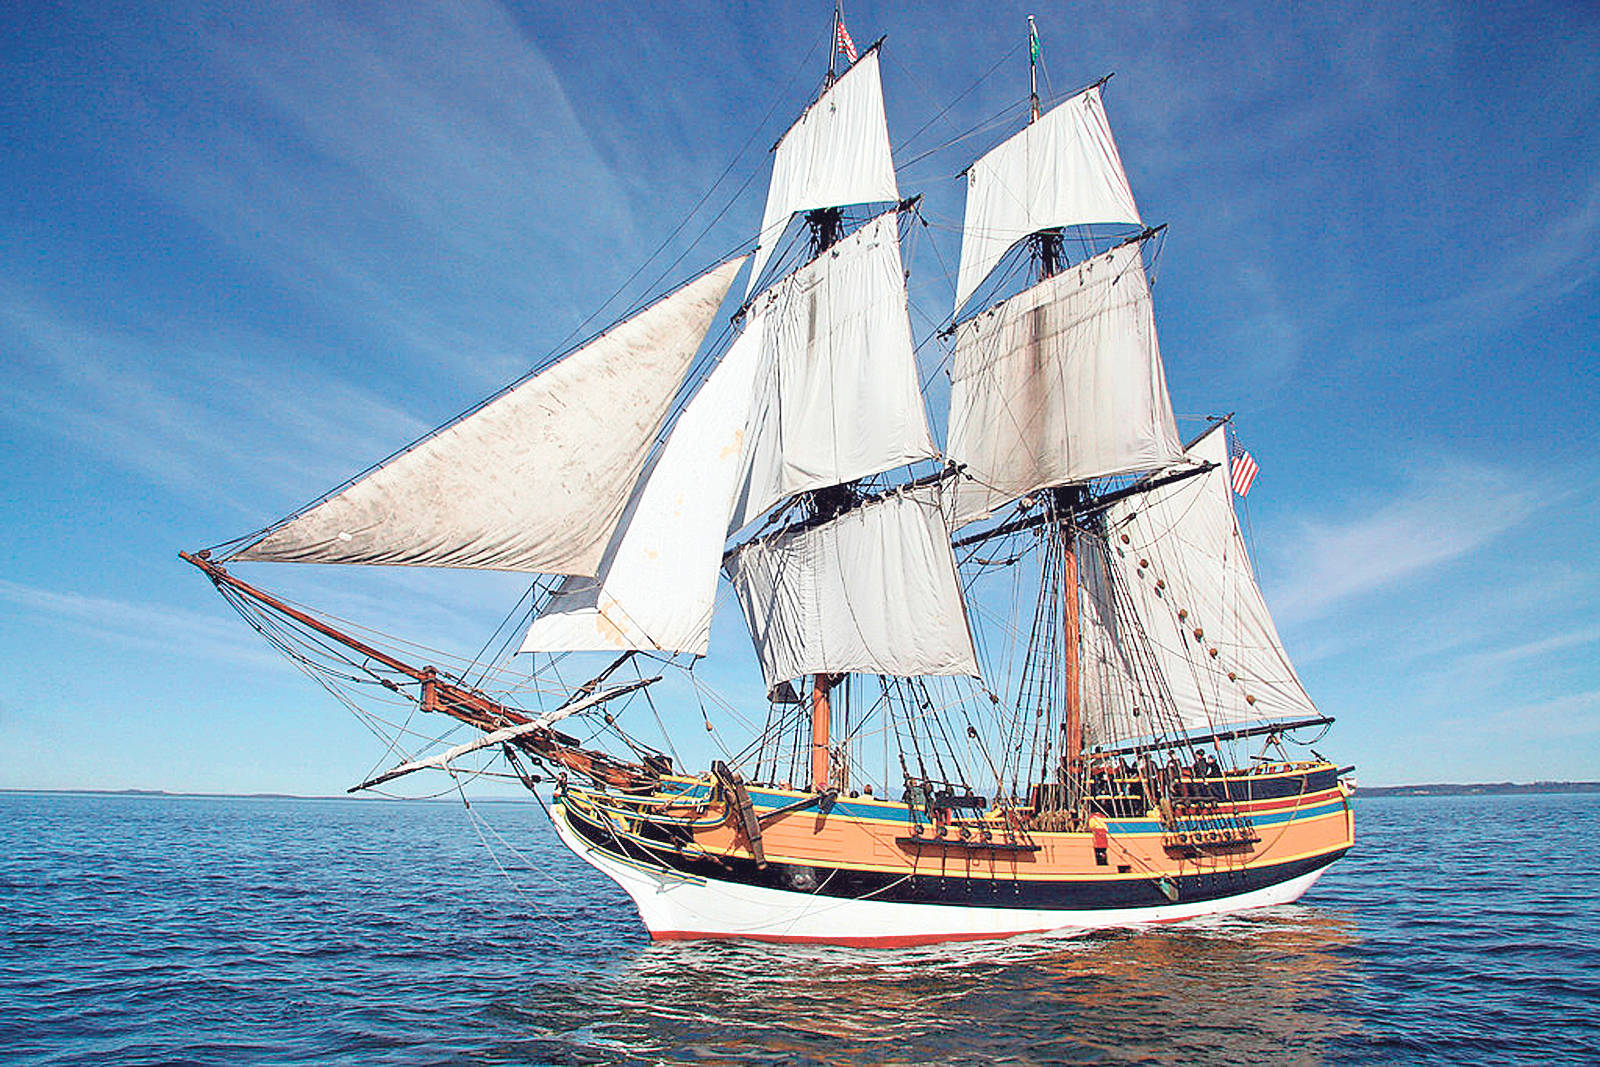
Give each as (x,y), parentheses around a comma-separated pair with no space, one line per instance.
(1238,988)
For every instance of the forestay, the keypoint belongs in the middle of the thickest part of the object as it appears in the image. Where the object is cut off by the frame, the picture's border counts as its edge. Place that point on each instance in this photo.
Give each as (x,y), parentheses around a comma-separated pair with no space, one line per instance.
(658,581)
(1192,588)
(837,153)
(873,590)
(836,392)
(537,478)
(1060,384)
(1062,170)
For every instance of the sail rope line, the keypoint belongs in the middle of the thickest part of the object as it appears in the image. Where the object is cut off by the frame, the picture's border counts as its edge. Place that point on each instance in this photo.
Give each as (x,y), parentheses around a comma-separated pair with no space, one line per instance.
(534,600)
(1183,581)
(1234,594)
(478,826)
(778,98)
(566,346)
(945,111)
(300,648)
(1010,636)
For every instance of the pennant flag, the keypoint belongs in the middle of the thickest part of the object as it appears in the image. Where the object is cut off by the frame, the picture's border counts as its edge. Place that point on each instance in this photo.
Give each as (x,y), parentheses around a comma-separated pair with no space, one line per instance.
(1033,41)
(842,41)
(1244,469)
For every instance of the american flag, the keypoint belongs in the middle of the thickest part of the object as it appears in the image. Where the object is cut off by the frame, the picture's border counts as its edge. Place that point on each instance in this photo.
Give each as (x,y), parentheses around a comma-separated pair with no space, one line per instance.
(842,41)
(1244,468)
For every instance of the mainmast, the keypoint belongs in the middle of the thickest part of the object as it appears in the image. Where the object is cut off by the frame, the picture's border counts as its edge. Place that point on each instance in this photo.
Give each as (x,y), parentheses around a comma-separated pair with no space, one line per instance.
(1069,501)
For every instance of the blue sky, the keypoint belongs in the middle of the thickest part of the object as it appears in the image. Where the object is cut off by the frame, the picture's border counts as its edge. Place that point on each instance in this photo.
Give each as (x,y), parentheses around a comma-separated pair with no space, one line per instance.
(250,248)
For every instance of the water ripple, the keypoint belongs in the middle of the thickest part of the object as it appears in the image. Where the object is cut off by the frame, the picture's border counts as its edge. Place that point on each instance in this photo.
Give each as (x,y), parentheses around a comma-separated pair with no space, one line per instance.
(162,930)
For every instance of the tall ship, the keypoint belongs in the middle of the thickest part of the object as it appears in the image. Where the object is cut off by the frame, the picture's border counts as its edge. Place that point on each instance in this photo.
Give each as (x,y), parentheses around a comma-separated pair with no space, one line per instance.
(1025,681)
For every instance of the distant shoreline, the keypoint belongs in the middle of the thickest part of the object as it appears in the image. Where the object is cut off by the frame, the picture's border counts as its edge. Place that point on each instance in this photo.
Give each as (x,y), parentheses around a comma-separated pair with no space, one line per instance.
(1476,789)
(1448,789)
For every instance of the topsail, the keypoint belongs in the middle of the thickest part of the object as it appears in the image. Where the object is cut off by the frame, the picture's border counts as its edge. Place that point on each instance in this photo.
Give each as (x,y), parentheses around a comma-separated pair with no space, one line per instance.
(1060,384)
(836,393)
(837,153)
(1062,170)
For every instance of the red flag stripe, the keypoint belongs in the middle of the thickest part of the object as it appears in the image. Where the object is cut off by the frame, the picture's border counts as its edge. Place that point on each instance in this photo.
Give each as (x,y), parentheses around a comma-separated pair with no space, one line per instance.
(842,41)
(1244,472)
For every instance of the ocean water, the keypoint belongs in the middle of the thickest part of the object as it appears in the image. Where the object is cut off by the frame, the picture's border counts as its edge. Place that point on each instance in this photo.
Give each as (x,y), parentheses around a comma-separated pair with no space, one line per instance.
(196,930)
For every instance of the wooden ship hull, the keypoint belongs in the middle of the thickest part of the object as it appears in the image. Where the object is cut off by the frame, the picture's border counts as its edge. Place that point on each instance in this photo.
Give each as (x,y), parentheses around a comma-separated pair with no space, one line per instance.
(709,859)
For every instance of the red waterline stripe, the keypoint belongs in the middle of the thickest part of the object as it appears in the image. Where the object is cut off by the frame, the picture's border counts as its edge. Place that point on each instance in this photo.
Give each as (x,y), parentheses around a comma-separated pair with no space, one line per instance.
(889,941)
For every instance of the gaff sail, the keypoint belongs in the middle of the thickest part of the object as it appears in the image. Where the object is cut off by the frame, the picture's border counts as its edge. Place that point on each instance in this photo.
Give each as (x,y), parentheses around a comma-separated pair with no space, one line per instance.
(1196,603)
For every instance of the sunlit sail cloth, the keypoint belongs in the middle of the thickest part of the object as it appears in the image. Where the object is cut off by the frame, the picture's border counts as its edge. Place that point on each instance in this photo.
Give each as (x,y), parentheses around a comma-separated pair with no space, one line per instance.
(874,590)
(1194,591)
(1062,170)
(836,394)
(1060,384)
(837,153)
(658,581)
(534,480)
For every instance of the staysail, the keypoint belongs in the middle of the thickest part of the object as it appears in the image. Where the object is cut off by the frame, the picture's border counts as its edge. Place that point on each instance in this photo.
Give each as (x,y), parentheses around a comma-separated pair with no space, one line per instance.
(1185,569)
(872,590)
(1062,170)
(658,581)
(537,478)
(836,393)
(836,153)
(1060,384)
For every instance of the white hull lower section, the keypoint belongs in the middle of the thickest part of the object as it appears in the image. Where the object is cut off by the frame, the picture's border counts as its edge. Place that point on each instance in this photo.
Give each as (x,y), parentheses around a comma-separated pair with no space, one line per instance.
(676,907)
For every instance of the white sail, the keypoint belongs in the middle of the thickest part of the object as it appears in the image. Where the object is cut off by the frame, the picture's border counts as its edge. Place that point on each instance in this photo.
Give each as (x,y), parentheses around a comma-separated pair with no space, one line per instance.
(1188,575)
(874,590)
(1062,170)
(1060,384)
(658,581)
(534,480)
(836,153)
(836,395)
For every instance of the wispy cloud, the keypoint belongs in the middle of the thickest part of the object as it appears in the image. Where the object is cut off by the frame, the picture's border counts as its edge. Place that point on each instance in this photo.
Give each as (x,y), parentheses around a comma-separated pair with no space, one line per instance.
(1532,272)
(1443,513)
(1572,715)
(242,426)
(415,172)
(143,626)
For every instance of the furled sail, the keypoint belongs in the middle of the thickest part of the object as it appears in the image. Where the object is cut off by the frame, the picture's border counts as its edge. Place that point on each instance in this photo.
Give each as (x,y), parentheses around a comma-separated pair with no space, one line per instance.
(658,581)
(873,590)
(535,479)
(1185,568)
(836,153)
(1060,384)
(836,394)
(1062,170)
